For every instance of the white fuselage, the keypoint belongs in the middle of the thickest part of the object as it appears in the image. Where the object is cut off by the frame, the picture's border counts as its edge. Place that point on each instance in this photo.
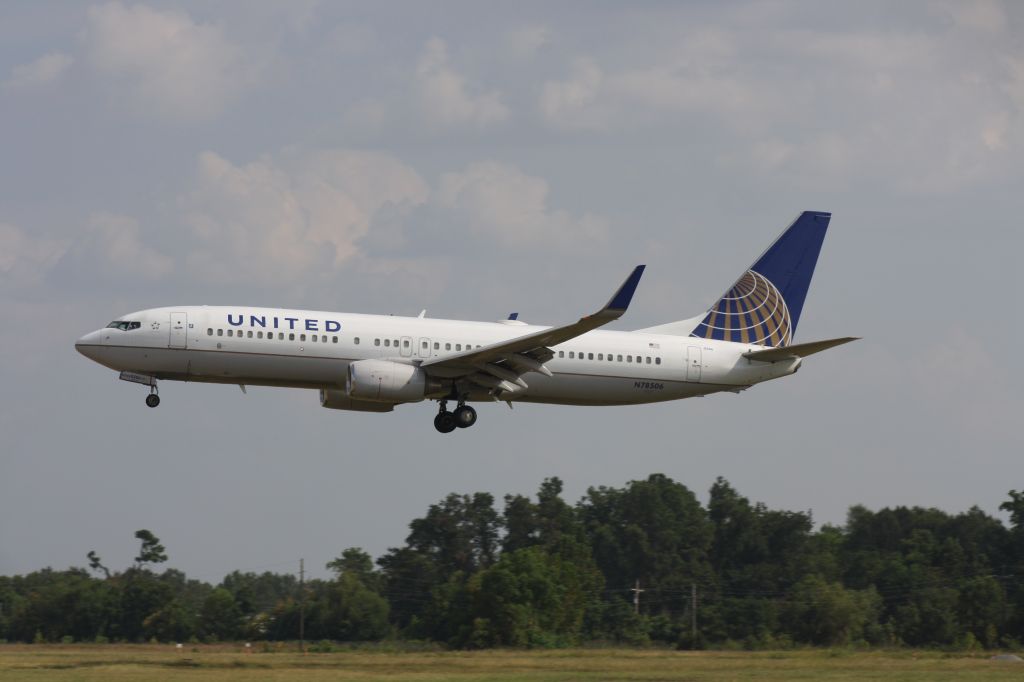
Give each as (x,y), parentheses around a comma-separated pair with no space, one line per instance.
(313,349)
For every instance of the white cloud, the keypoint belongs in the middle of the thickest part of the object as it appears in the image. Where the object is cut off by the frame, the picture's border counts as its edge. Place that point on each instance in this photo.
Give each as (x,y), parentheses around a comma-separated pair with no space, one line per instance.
(24,259)
(634,97)
(570,103)
(1014,85)
(303,218)
(42,71)
(444,98)
(981,15)
(352,39)
(113,244)
(174,66)
(526,41)
(274,222)
(503,203)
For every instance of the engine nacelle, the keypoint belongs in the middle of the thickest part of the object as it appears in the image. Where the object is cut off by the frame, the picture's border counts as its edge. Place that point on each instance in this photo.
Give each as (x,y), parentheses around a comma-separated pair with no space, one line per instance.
(390,382)
(337,399)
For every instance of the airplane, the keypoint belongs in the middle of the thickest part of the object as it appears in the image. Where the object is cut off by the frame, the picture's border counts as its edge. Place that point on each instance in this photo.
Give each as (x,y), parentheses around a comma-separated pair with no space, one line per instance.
(371,363)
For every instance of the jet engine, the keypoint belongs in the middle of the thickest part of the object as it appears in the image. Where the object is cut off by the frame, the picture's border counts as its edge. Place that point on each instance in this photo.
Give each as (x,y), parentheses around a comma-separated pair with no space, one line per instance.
(336,399)
(390,382)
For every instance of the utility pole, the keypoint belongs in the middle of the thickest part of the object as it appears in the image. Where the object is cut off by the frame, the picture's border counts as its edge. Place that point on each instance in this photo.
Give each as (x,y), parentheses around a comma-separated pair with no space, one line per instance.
(636,597)
(693,614)
(302,606)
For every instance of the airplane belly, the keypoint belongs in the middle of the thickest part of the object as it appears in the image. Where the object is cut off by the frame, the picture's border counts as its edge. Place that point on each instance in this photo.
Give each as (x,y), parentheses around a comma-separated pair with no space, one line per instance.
(266,368)
(587,389)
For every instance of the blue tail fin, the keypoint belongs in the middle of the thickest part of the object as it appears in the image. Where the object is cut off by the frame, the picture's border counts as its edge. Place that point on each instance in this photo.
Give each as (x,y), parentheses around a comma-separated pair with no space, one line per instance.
(763,306)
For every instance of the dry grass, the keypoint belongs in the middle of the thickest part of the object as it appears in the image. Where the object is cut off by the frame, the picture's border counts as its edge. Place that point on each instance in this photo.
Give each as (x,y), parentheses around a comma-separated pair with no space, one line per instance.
(228,662)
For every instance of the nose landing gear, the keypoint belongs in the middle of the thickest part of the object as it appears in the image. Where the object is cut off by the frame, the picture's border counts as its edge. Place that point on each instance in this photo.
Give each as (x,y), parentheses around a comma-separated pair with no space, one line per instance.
(153,399)
(463,417)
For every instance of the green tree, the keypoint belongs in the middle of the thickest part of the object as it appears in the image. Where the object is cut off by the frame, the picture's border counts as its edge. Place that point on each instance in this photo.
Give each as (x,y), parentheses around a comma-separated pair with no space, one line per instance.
(172,622)
(354,561)
(530,597)
(653,530)
(219,618)
(982,609)
(818,612)
(96,564)
(142,595)
(151,551)
(355,612)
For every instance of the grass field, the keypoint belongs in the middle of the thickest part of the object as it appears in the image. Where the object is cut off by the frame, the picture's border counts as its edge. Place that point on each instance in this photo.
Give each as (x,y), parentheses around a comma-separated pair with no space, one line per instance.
(229,662)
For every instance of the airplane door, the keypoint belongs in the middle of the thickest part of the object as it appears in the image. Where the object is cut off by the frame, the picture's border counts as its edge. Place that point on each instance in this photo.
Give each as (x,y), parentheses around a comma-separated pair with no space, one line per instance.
(406,349)
(179,333)
(693,363)
(424,348)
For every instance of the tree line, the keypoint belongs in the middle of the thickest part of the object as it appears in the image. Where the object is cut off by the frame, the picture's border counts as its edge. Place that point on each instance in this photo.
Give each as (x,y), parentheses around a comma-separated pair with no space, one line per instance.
(644,563)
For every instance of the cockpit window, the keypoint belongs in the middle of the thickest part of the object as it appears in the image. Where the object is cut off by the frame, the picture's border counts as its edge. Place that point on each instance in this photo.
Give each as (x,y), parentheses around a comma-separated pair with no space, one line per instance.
(124,325)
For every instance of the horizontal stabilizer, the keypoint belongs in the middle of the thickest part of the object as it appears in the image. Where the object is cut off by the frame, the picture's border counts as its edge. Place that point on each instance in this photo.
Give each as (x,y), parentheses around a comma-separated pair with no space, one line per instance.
(800,350)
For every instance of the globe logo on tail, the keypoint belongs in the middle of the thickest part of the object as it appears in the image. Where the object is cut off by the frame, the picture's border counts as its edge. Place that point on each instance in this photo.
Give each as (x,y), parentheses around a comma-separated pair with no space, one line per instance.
(752,311)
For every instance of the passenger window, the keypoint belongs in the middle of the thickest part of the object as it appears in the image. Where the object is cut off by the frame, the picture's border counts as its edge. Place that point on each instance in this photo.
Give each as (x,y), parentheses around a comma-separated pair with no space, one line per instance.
(600,356)
(648,359)
(629,358)
(291,337)
(209,332)
(376,342)
(447,346)
(572,355)
(395,343)
(355,340)
(259,335)
(312,338)
(387,342)
(280,336)
(458,346)
(590,356)
(620,358)
(426,345)
(220,332)
(302,337)
(334,339)
(249,334)
(657,361)
(405,344)
(437,346)
(323,339)
(561,353)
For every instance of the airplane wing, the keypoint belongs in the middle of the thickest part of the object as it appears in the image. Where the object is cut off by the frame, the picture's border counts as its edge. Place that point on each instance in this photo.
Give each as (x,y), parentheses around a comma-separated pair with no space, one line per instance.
(499,366)
(800,350)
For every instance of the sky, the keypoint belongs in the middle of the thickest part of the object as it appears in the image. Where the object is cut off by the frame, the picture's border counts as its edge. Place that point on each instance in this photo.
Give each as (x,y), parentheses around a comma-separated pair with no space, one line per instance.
(476,159)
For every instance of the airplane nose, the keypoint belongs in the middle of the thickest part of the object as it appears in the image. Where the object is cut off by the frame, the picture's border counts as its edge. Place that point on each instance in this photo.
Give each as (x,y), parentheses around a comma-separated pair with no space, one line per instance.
(87,343)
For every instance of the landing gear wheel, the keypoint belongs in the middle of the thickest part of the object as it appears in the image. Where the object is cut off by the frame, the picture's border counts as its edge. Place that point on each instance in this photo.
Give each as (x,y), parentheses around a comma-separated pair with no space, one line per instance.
(445,422)
(152,400)
(465,416)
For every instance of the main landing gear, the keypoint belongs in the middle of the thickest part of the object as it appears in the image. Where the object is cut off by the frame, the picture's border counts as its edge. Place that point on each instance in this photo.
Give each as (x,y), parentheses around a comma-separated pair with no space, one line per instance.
(463,417)
(153,399)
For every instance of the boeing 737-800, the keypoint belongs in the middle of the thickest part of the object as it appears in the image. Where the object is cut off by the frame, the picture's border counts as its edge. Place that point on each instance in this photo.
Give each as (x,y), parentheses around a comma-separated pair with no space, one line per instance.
(371,363)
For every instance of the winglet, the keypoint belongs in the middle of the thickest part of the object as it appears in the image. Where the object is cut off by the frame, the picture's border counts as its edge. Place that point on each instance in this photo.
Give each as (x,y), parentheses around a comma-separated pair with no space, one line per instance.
(513,316)
(620,301)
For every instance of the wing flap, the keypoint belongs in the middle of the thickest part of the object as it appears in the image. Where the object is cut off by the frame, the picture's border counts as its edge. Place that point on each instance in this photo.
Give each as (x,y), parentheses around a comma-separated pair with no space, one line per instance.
(800,350)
